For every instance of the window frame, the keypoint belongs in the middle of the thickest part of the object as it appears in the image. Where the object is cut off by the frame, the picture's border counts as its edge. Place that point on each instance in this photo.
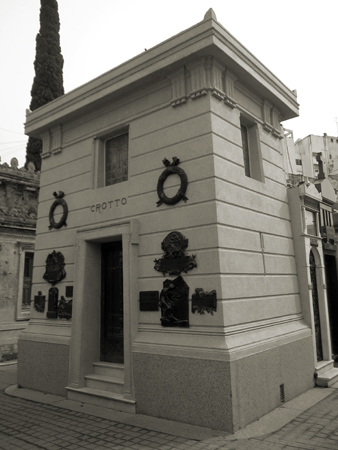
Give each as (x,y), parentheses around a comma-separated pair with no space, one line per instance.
(21,312)
(99,156)
(252,155)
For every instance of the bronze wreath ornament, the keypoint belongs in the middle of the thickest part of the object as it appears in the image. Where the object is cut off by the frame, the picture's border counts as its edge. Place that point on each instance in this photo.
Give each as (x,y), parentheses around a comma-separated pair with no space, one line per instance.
(172,169)
(58,201)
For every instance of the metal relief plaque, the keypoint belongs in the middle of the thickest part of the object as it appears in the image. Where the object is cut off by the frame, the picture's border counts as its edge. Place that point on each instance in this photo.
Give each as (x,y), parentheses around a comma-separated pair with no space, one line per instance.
(175,260)
(204,301)
(39,302)
(69,291)
(58,201)
(172,169)
(55,271)
(174,303)
(65,309)
(53,298)
(149,300)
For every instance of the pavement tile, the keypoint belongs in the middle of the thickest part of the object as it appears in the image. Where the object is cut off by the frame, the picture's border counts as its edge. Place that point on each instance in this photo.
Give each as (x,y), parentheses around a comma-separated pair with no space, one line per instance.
(28,425)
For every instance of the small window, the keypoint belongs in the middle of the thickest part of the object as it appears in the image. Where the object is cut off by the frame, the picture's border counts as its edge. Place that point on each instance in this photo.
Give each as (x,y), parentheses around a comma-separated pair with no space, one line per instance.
(27,279)
(298,162)
(116,159)
(252,158)
(311,224)
(245,146)
(110,158)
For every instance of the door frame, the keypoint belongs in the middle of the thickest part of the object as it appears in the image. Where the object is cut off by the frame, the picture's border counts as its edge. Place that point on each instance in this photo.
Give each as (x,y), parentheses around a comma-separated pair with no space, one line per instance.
(85,340)
(323,307)
(109,300)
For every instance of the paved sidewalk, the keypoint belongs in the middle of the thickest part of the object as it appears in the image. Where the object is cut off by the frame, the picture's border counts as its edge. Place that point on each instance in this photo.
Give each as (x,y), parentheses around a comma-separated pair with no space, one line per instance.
(30,420)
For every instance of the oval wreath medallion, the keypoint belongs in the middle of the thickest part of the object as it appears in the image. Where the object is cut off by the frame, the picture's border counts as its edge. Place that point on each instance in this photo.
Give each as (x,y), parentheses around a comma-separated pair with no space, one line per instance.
(170,170)
(58,201)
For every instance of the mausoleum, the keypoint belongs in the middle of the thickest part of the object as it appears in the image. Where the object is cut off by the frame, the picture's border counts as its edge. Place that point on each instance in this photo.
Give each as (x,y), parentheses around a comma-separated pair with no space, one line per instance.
(165,280)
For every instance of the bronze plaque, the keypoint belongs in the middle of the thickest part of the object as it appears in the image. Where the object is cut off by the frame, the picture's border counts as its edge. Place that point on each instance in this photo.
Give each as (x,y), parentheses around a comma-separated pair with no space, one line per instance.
(175,260)
(53,298)
(39,302)
(203,301)
(55,271)
(149,300)
(174,303)
(65,309)
(69,291)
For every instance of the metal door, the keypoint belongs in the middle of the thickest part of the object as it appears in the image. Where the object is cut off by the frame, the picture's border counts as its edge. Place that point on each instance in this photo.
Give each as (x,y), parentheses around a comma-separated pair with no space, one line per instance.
(112,303)
(315,304)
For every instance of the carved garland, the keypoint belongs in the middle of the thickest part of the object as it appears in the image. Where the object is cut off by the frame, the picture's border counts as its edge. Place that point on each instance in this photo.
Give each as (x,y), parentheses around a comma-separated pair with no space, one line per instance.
(171,168)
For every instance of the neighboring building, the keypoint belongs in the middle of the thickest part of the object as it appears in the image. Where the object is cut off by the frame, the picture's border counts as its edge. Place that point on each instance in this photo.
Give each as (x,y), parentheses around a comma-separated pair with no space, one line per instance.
(315,248)
(292,160)
(18,212)
(306,151)
(207,236)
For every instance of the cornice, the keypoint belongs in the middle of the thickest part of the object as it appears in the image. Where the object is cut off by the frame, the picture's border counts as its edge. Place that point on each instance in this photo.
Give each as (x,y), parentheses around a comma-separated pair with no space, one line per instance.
(205,38)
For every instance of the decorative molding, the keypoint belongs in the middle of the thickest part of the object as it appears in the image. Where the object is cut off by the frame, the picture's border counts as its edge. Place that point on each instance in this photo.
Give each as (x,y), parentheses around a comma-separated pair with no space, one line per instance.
(206,74)
(52,142)
(56,139)
(229,86)
(178,88)
(198,78)
(277,131)
(266,113)
(214,71)
(45,155)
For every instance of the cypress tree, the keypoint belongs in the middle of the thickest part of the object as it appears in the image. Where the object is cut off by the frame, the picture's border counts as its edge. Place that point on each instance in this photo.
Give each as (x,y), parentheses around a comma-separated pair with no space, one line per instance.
(48,64)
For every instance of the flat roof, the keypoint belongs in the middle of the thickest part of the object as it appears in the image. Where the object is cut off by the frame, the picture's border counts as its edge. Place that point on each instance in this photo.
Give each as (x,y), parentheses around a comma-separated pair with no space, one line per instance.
(207,37)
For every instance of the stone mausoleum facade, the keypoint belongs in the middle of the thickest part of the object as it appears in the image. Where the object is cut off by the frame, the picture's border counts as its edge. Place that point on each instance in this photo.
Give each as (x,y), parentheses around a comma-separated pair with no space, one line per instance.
(19,190)
(165,280)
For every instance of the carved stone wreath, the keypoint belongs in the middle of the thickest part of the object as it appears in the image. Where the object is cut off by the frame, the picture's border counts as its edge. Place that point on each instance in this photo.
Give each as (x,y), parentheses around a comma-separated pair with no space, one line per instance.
(172,169)
(58,201)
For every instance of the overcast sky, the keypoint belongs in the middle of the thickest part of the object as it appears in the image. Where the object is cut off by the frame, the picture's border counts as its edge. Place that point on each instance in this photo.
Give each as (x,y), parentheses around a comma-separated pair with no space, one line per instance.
(296,40)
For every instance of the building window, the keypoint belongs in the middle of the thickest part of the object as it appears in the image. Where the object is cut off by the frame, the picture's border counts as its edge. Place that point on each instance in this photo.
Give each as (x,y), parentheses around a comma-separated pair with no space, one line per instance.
(252,158)
(326,219)
(24,298)
(311,222)
(110,158)
(27,279)
(298,162)
(116,159)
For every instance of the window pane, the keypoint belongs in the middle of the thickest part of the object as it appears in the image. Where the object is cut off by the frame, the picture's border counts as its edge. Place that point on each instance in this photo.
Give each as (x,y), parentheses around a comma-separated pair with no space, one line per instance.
(27,280)
(117,159)
(245,145)
(310,218)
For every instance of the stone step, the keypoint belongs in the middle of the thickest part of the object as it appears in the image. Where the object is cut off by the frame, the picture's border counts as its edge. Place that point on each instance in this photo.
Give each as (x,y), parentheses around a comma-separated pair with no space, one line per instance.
(327,378)
(109,369)
(104,399)
(104,383)
(323,366)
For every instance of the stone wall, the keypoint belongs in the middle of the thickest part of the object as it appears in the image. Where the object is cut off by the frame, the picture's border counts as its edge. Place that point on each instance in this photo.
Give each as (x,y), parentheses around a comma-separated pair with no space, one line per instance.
(18,211)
